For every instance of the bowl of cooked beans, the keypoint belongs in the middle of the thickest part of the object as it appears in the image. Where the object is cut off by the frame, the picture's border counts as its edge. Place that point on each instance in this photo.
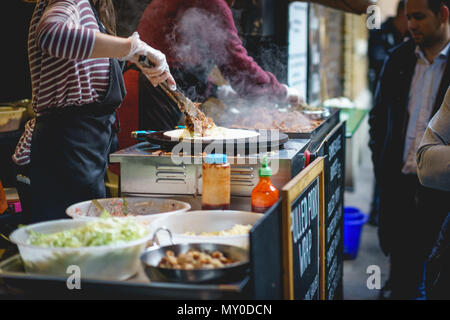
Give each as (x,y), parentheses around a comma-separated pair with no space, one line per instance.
(195,263)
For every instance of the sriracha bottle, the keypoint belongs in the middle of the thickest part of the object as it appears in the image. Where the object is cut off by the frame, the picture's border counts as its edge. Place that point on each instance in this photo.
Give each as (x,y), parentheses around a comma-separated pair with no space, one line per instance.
(264,195)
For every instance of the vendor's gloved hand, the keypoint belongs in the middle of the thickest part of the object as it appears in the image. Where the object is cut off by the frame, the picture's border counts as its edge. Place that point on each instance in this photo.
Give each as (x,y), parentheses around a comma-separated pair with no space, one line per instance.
(226,92)
(157,74)
(293,96)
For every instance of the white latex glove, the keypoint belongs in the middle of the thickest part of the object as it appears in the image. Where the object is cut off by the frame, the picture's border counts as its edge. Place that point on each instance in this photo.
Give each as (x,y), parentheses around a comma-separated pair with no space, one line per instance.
(226,92)
(293,96)
(157,74)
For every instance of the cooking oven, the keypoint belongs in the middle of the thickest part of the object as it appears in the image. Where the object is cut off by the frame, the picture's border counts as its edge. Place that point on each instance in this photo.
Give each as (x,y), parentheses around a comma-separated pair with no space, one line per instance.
(147,170)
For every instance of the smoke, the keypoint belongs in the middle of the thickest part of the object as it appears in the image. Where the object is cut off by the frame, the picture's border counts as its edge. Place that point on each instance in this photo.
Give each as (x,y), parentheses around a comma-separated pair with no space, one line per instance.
(199,38)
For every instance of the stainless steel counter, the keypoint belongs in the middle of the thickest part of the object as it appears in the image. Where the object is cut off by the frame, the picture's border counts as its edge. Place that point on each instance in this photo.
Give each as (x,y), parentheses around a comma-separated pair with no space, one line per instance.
(144,171)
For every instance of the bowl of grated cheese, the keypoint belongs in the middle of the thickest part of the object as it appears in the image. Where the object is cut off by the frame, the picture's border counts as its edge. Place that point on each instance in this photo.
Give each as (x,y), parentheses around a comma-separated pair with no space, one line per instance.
(212,226)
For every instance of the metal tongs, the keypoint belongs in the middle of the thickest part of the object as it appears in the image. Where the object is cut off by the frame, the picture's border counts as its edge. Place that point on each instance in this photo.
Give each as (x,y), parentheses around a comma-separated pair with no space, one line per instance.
(185,104)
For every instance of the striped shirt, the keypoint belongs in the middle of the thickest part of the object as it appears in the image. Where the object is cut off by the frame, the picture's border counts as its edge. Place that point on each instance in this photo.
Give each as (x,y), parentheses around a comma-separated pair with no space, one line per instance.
(60,41)
(22,153)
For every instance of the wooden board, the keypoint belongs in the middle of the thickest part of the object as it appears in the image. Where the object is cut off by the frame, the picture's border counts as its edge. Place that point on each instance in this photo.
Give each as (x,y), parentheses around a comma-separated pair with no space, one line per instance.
(303,234)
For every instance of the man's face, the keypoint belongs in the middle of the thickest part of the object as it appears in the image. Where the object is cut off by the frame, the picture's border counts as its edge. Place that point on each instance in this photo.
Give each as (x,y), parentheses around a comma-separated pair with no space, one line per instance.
(424,24)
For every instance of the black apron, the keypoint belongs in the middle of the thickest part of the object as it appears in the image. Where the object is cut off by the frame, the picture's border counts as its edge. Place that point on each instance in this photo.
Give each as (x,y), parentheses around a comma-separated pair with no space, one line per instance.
(70,149)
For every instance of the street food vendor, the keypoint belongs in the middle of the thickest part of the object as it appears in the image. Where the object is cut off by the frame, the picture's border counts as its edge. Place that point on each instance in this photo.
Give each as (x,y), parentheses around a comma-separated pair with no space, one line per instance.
(77,86)
(196,36)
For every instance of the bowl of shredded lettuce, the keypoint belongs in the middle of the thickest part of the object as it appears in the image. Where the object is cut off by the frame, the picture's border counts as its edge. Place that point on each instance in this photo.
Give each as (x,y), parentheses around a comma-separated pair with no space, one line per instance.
(107,248)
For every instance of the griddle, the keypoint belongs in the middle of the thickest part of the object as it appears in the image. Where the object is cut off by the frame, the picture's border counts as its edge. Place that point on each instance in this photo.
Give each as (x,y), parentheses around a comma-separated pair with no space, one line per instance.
(320,132)
(266,141)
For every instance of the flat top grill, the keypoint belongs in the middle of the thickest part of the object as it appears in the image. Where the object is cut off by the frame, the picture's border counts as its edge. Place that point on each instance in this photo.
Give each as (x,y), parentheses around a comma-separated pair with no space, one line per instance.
(267,140)
(296,123)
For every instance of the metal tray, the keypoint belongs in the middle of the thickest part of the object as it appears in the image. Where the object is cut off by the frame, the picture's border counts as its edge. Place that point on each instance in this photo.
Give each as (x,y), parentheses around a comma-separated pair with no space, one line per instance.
(14,282)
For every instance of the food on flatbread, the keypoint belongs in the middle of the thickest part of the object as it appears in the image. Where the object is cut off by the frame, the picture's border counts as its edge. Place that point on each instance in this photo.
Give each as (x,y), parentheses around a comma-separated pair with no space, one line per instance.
(213,133)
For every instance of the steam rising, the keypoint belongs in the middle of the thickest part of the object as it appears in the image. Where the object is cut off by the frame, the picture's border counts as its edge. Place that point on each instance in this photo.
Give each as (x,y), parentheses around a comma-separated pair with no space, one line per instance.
(200,39)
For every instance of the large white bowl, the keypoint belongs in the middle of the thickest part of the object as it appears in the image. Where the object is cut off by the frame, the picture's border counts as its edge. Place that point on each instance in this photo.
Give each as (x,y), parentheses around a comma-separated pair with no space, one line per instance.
(143,209)
(110,262)
(204,221)
(10,118)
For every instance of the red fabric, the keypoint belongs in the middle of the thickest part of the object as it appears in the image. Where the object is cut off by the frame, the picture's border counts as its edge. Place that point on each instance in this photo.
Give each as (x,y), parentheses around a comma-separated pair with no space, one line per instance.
(128,114)
(192,32)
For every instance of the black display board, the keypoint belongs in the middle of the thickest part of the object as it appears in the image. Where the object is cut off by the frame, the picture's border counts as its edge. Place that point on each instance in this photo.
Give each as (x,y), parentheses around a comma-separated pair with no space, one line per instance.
(265,256)
(303,216)
(305,233)
(334,150)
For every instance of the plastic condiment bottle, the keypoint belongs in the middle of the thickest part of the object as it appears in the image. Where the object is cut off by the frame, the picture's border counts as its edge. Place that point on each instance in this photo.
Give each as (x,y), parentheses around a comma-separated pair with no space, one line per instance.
(264,195)
(216,175)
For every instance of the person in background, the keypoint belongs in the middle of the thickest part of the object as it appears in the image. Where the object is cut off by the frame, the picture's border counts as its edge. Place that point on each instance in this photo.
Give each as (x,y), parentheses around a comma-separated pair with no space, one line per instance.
(393,32)
(438,266)
(197,35)
(433,156)
(433,168)
(411,89)
(77,86)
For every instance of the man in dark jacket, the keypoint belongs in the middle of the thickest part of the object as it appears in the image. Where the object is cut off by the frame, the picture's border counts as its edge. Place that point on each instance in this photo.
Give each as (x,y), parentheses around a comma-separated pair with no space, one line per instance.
(438,266)
(411,89)
(392,32)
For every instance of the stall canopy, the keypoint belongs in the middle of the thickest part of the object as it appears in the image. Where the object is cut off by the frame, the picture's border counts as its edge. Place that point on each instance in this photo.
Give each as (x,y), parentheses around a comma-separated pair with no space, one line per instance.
(352,6)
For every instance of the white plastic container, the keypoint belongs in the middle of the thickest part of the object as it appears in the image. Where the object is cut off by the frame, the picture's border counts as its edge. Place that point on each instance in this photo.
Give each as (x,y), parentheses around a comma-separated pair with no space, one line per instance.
(10,118)
(111,262)
(144,210)
(205,221)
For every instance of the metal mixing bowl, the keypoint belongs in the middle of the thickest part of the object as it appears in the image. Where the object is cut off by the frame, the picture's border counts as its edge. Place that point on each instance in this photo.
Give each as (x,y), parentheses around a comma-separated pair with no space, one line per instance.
(236,271)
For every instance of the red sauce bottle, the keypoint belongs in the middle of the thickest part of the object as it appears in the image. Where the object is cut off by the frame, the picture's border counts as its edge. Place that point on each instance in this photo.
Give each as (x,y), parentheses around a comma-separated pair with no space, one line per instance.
(3,202)
(264,195)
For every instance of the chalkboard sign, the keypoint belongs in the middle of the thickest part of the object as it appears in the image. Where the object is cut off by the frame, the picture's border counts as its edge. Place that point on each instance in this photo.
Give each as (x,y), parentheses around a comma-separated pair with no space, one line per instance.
(265,241)
(334,150)
(303,234)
